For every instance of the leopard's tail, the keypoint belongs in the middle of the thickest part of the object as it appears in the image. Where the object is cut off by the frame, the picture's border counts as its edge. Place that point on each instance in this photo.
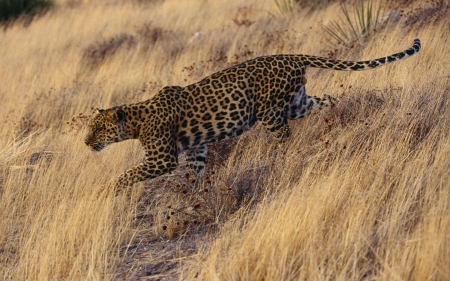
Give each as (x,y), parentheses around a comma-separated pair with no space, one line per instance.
(319,62)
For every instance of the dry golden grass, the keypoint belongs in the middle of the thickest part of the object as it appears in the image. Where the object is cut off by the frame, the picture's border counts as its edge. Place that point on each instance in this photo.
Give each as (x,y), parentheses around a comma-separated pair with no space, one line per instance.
(359,192)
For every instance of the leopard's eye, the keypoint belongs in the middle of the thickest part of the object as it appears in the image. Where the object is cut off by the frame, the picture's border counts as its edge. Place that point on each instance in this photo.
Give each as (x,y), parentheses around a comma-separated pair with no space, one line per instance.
(99,127)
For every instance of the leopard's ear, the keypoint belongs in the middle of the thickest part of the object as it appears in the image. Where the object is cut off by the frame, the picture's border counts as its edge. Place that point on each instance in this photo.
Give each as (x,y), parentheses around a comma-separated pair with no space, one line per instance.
(115,115)
(100,110)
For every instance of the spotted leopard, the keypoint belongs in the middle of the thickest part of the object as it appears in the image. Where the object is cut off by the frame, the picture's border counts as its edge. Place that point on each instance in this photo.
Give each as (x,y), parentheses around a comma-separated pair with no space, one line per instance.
(268,89)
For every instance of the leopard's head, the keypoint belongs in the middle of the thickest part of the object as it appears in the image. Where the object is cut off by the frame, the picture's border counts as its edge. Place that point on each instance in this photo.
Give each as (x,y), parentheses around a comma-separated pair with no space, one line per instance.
(105,128)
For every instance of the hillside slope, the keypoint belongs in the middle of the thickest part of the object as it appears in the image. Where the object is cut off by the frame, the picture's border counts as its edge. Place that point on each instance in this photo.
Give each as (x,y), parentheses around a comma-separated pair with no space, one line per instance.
(361,191)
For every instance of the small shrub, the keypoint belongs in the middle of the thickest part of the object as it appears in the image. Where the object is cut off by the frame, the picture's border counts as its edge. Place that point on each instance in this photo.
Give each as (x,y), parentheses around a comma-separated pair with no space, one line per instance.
(12,9)
(434,10)
(285,6)
(151,36)
(97,53)
(362,22)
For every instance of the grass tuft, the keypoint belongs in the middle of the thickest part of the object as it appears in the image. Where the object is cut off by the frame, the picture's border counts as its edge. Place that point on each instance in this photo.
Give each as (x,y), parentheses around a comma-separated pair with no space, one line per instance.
(285,6)
(363,20)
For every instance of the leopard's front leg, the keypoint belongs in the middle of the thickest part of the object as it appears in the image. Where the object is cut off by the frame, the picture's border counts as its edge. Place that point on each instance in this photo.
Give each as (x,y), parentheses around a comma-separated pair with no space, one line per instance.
(149,169)
(161,157)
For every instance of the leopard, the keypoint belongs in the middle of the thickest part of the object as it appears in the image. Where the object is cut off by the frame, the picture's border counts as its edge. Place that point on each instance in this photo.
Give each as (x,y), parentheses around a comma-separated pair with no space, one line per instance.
(267,89)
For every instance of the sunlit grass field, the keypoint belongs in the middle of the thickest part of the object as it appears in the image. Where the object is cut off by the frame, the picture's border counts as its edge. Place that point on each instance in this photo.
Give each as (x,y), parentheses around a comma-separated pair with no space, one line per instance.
(359,192)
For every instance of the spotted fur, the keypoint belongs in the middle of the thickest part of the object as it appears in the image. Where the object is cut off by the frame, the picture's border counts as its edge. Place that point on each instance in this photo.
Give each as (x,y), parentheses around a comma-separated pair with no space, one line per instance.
(269,89)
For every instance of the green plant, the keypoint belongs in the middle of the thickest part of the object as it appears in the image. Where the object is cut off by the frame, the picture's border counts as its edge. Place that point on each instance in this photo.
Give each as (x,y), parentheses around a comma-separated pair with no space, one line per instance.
(12,9)
(366,18)
(285,6)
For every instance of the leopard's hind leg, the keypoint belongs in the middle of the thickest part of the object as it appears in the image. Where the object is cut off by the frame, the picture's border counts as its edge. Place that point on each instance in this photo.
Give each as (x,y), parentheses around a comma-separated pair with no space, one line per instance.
(303,105)
(196,160)
(276,123)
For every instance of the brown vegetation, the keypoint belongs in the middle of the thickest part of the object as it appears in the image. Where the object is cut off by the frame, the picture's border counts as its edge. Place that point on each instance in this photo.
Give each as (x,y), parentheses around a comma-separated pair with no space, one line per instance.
(359,192)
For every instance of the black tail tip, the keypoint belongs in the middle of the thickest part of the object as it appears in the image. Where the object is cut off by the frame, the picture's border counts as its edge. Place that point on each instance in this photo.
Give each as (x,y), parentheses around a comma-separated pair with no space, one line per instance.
(416,45)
